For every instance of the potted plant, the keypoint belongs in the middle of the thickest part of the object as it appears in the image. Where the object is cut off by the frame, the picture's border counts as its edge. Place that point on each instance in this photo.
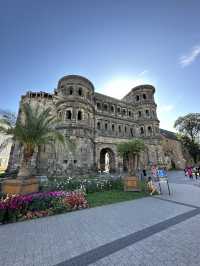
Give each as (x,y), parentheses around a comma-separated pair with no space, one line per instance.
(131,150)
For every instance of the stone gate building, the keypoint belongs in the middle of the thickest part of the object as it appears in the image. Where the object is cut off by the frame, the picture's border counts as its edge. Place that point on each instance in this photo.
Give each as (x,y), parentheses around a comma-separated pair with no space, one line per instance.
(96,123)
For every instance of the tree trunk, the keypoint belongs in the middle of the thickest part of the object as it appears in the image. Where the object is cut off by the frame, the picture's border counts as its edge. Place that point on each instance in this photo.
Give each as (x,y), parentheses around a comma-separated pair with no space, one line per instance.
(38,160)
(131,164)
(24,170)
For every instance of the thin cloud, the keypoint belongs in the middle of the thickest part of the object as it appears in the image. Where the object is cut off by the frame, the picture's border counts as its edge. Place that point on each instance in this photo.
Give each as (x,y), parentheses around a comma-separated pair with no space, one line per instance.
(186,60)
(143,73)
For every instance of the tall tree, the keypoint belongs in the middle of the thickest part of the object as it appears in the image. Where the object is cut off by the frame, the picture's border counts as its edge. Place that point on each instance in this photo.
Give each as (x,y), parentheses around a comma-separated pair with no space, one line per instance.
(188,127)
(131,150)
(34,128)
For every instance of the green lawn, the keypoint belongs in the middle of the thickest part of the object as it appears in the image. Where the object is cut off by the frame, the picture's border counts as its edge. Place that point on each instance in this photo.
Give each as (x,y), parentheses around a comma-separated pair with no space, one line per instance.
(113,196)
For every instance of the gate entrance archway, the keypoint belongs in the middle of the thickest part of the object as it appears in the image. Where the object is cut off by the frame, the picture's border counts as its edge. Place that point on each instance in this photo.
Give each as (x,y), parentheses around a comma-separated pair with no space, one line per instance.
(107,160)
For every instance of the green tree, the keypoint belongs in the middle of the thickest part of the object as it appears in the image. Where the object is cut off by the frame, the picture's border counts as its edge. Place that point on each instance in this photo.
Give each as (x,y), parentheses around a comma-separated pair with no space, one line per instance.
(35,127)
(131,151)
(192,146)
(188,127)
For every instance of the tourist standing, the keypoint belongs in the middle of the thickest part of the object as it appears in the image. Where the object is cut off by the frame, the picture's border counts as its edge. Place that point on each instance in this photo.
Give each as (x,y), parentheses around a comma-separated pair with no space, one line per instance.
(144,172)
(189,171)
(185,170)
(196,172)
(154,171)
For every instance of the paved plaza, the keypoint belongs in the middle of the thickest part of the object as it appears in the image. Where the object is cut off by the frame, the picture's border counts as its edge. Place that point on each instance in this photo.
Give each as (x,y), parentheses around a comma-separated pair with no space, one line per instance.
(161,230)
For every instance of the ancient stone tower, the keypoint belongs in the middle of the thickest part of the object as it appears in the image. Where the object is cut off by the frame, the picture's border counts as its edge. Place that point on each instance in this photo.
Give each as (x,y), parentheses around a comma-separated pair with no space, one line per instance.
(74,103)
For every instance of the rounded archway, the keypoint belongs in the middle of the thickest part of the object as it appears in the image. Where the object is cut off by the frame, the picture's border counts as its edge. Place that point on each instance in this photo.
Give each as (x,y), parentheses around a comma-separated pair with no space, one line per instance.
(107,160)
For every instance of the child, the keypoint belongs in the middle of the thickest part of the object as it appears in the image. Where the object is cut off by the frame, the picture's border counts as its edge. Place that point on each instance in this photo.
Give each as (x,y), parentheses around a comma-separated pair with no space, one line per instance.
(151,186)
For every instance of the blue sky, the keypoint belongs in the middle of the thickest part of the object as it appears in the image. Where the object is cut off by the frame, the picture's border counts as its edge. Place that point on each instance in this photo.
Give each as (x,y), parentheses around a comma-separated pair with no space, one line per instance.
(117,44)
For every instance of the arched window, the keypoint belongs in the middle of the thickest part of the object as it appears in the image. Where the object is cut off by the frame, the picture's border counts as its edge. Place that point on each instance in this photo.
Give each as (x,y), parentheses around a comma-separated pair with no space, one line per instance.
(80,116)
(106,126)
(149,129)
(147,112)
(112,109)
(120,130)
(125,129)
(118,109)
(99,106)
(98,125)
(137,97)
(129,113)
(144,96)
(139,113)
(141,130)
(105,107)
(70,90)
(69,115)
(124,111)
(80,91)
(113,127)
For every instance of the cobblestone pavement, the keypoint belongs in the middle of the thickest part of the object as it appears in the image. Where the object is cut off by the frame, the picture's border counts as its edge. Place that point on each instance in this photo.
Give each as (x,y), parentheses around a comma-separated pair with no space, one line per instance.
(162,230)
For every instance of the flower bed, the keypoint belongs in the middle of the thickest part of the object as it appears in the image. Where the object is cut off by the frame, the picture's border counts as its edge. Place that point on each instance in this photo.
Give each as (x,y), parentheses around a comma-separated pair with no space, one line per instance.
(89,185)
(22,207)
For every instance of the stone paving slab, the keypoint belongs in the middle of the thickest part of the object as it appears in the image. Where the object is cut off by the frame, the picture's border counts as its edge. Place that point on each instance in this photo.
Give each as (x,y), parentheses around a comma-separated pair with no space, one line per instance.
(188,194)
(52,240)
(119,244)
(176,246)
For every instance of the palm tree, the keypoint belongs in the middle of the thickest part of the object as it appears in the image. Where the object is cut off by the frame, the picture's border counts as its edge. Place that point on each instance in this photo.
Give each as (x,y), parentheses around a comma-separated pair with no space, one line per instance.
(35,127)
(131,150)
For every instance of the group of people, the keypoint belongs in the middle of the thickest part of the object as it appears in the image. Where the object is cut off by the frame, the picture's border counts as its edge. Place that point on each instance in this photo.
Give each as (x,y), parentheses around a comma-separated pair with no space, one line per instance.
(156,173)
(192,171)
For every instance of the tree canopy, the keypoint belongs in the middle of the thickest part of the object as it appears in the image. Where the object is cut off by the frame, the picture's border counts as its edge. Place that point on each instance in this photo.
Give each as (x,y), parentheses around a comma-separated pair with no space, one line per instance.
(131,147)
(189,125)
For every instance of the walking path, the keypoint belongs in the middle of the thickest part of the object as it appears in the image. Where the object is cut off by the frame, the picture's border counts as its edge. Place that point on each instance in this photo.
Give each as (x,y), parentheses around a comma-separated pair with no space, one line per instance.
(162,230)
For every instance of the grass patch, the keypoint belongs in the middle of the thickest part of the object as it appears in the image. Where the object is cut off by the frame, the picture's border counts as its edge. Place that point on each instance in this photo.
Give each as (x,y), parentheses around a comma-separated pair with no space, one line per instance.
(113,196)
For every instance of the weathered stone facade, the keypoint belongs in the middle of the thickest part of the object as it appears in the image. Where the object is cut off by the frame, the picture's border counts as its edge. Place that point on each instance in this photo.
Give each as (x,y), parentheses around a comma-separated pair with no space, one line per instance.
(173,150)
(96,123)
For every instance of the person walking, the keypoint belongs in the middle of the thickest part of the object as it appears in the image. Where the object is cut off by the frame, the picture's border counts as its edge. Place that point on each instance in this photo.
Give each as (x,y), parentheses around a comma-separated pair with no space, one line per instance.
(189,171)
